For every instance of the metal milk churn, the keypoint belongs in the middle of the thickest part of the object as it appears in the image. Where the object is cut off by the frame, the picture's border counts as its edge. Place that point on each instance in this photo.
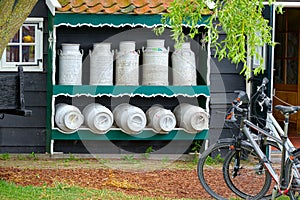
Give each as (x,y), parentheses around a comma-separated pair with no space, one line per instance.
(184,66)
(68,117)
(129,118)
(70,64)
(160,119)
(192,118)
(155,63)
(127,64)
(101,64)
(98,118)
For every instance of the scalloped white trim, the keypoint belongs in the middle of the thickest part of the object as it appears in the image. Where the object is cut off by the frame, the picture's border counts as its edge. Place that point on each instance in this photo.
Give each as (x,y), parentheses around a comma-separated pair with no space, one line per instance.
(118,26)
(130,95)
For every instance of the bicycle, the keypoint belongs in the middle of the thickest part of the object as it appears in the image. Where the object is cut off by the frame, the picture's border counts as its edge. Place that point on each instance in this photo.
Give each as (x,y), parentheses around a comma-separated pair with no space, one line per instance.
(239,151)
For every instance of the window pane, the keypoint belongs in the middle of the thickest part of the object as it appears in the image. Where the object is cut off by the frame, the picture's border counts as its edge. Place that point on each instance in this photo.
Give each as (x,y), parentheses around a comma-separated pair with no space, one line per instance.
(12,53)
(293,19)
(292,50)
(279,48)
(16,38)
(28,53)
(280,22)
(279,72)
(28,34)
(292,72)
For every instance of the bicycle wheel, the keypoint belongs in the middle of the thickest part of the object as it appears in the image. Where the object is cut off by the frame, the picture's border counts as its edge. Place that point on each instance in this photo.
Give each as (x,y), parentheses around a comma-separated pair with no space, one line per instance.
(293,170)
(249,178)
(210,172)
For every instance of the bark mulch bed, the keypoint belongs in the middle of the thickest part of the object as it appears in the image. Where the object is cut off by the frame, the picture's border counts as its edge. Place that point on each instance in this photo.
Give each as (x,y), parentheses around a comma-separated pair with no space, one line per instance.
(168,182)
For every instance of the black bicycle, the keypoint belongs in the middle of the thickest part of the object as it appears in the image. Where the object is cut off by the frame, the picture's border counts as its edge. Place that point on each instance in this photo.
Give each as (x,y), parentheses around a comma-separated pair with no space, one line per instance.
(246,159)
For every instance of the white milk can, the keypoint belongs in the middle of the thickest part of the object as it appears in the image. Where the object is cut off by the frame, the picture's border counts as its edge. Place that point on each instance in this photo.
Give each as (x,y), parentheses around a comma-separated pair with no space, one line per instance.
(101,64)
(127,64)
(160,119)
(129,118)
(184,66)
(98,118)
(155,63)
(68,117)
(70,64)
(192,118)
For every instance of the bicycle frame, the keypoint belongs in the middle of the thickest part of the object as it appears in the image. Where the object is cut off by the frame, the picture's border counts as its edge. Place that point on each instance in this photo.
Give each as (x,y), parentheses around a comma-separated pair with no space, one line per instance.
(279,136)
(274,132)
(273,125)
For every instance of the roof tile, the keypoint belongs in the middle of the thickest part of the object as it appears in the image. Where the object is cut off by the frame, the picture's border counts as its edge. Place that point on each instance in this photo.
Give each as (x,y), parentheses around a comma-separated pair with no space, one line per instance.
(64,2)
(158,9)
(116,6)
(140,3)
(92,3)
(80,9)
(77,3)
(107,3)
(123,3)
(167,3)
(154,3)
(95,9)
(112,9)
(142,10)
(65,8)
(128,9)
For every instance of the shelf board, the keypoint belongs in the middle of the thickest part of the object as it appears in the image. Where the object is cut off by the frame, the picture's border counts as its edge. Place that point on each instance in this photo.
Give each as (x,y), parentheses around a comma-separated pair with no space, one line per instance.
(117,134)
(147,91)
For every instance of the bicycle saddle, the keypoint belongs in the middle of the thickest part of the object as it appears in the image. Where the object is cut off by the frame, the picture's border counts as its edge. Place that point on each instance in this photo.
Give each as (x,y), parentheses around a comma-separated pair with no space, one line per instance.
(287,109)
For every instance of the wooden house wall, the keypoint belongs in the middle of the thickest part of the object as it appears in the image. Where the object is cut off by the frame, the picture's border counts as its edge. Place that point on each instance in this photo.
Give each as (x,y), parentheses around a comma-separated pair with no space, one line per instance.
(224,79)
(28,134)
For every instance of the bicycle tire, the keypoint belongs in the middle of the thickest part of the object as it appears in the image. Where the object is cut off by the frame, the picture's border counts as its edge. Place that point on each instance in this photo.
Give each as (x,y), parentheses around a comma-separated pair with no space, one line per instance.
(252,169)
(294,191)
(209,170)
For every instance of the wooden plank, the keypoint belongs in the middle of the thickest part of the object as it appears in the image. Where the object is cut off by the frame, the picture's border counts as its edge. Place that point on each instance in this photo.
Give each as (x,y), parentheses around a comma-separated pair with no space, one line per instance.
(22,149)
(224,67)
(38,119)
(22,136)
(222,98)
(35,81)
(226,83)
(35,99)
(120,147)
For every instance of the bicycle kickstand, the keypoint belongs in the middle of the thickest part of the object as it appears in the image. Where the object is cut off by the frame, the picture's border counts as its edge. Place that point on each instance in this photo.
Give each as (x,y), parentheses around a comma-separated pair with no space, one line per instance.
(274,192)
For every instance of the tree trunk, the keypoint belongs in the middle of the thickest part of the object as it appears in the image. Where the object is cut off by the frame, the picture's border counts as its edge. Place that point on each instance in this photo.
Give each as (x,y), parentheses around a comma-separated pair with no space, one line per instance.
(13,13)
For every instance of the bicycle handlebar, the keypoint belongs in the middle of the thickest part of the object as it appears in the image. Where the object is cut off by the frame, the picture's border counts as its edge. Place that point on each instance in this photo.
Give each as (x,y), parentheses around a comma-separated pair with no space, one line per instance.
(235,106)
(241,94)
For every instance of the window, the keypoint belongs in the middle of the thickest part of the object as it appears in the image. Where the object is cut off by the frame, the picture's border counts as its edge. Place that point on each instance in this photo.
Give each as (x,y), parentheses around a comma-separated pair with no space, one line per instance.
(25,48)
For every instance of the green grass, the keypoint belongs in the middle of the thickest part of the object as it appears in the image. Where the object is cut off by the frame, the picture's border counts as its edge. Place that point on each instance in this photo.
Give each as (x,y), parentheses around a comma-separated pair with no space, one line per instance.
(10,191)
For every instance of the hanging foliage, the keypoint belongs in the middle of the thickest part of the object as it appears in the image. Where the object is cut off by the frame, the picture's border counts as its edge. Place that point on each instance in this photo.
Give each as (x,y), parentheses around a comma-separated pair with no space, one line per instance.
(241,21)
(13,13)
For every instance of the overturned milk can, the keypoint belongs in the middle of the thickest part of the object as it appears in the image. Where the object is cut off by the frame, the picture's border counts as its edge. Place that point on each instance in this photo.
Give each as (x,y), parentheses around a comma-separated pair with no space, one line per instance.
(160,119)
(129,118)
(191,118)
(98,118)
(68,118)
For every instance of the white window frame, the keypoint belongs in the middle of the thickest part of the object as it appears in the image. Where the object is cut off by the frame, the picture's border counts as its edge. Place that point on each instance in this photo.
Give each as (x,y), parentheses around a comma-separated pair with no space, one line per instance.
(37,65)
